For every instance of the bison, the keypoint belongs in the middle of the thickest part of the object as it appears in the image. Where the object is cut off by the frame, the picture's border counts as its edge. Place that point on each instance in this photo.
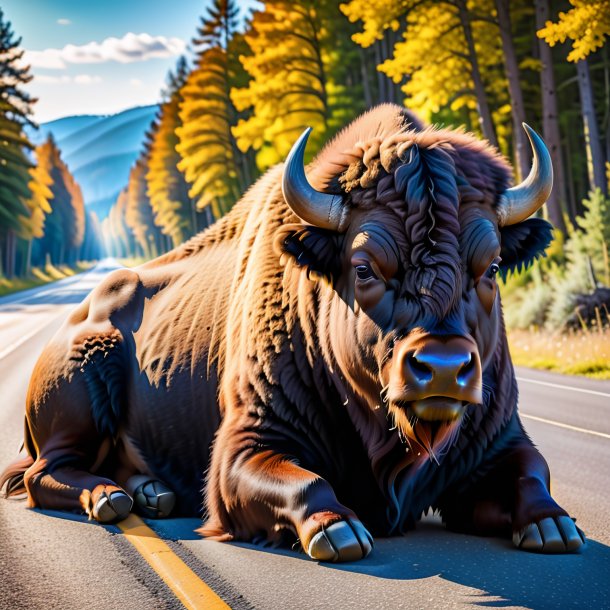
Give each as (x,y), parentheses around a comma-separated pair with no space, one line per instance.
(326,362)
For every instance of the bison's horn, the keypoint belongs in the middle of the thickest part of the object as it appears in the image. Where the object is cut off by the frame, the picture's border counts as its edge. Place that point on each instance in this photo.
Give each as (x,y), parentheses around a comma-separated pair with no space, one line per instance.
(522,200)
(319,209)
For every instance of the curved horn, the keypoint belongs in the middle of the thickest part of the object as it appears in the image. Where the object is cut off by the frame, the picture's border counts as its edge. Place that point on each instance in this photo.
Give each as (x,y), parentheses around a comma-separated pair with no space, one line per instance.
(522,200)
(319,209)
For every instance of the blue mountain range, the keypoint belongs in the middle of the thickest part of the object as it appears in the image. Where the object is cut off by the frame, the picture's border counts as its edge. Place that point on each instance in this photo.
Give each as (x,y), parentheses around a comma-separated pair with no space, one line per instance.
(99,150)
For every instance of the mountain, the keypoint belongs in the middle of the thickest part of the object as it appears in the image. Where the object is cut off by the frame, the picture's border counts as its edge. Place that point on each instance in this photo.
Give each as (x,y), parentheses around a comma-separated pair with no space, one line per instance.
(99,150)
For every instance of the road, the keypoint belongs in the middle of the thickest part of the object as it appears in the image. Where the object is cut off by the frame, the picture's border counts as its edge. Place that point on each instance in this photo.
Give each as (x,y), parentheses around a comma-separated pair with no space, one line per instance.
(54,560)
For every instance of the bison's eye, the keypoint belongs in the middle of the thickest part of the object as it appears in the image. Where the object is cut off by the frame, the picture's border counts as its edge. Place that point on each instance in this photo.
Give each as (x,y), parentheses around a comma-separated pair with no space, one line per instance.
(364,272)
(493,268)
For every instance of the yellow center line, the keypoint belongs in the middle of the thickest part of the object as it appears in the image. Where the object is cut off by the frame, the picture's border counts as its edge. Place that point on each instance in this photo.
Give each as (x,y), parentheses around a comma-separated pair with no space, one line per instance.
(183,582)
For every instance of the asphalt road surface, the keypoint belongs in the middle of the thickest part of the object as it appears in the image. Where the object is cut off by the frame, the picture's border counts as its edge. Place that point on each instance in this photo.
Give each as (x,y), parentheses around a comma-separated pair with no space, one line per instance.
(54,560)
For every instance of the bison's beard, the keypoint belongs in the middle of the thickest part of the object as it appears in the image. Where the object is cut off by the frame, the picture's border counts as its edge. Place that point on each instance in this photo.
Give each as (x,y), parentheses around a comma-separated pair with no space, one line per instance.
(433,437)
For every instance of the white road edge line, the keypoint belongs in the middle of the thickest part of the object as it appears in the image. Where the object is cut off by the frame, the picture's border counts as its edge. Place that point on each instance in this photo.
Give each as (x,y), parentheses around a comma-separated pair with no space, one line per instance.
(567,426)
(5,352)
(563,387)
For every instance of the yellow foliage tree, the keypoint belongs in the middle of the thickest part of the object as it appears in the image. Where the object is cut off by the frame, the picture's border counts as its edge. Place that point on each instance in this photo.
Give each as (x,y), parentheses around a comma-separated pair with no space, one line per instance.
(118,237)
(64,227)
(138,211)
(167,188)
(210,158)
(376,16)
(295,50)
(450,53)
(587,24)
(38,204)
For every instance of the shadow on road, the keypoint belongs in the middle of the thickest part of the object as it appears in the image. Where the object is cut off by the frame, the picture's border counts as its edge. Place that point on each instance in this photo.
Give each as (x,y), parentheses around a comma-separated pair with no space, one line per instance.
(490,565)
(494,566)
(506,576)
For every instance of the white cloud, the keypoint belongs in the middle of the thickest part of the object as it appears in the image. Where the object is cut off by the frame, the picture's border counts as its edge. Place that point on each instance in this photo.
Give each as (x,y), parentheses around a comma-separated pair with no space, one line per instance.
(64,21)
(136,82)
(132,47)
(87,79)
(79,79)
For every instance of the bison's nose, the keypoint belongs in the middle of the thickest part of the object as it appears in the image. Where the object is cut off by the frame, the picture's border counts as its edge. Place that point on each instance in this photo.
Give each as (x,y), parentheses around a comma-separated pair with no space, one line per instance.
(442,367)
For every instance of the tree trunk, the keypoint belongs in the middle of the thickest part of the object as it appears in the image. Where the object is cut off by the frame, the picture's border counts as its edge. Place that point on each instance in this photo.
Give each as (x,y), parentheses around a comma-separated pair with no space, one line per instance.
(366,85)
(596,163)
(550,122)
(485,120)
(210,215)
(522,148)
(571,201)
(193,218)
(11,251)
(388,47)
(381,93)
(28,259)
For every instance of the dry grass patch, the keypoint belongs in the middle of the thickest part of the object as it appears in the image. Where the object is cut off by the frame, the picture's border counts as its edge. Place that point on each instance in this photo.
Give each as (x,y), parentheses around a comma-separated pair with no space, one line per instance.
(573,353)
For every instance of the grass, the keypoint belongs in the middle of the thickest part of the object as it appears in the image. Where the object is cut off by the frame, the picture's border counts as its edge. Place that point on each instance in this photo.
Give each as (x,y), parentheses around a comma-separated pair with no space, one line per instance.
(575,353)
(40,276)
(133,261)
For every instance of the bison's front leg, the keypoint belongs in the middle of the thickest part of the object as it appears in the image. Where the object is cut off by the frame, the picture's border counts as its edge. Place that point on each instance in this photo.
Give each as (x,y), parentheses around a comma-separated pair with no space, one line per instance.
(539,523)
(250,493)
(515,497)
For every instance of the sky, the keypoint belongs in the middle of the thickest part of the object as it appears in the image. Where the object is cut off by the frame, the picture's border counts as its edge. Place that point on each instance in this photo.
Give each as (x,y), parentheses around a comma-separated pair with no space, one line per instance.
(102,56)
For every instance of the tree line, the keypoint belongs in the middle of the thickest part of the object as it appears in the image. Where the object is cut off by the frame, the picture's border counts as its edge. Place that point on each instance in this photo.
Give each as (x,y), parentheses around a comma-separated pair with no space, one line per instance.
(255,83)
(487,65)
(42,213)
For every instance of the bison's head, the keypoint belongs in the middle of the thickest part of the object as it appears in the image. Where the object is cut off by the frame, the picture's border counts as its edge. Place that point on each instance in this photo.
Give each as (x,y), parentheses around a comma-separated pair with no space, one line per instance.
(419,225)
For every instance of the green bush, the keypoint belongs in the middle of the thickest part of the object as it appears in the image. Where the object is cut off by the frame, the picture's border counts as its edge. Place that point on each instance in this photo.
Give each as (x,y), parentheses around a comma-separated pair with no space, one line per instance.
(545,293)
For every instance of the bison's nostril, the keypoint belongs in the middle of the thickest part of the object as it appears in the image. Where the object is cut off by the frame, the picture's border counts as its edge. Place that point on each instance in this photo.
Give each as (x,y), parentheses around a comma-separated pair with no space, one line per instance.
(466,370)
(420,369)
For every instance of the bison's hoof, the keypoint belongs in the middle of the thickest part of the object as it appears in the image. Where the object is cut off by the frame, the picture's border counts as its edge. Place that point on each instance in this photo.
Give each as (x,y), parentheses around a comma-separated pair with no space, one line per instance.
(112,507)
(153,499)
(342,541)
(550,535)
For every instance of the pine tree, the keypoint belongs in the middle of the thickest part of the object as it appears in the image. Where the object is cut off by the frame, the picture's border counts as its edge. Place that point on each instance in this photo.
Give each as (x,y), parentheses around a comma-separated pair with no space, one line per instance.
(168,190)
(138,211)
(92,246)
(15,108)
(38,204)
(65,225)
(118,237)
(211,162)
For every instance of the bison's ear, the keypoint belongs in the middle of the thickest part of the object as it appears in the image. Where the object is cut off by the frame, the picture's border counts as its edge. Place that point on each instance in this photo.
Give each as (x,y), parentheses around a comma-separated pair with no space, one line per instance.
(523,243)
(311,247)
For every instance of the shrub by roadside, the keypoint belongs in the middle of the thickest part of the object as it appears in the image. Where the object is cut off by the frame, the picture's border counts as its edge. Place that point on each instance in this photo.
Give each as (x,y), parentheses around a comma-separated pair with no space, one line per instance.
(545,295)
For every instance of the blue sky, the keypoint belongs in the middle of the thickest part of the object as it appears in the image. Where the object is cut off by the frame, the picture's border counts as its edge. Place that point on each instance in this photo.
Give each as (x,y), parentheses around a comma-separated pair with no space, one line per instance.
(102,56)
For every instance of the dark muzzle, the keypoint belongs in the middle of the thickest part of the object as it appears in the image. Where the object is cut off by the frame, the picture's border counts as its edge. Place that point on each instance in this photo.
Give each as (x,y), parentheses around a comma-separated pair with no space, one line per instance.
(435,377)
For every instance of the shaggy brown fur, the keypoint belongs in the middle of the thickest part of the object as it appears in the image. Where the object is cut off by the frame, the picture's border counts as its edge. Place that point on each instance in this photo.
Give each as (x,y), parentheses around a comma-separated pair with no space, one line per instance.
(258,334)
